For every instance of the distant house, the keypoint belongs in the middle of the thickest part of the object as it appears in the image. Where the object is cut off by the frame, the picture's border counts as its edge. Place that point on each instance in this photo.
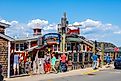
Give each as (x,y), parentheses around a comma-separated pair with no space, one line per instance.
(108,49)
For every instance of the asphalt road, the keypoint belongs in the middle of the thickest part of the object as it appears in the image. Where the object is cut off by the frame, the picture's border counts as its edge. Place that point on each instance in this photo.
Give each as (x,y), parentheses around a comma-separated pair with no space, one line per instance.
(105,75)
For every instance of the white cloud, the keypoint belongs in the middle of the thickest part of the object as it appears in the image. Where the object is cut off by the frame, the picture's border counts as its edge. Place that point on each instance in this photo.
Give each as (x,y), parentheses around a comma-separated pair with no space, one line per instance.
(14,22)
(90,23)
(90,26)
(50,27)
(97,30)
(91,29)
(44,25)
(37,23)
(117,32)
(18,29)
(76,23)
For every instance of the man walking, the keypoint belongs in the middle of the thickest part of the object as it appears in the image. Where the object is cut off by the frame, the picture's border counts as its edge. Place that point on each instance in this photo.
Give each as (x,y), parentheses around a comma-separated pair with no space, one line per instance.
(63,62)
(108,60)
(95,59)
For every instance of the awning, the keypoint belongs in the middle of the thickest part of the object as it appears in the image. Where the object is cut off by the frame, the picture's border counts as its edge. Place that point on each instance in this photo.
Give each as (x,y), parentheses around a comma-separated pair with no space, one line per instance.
(74,40)
(31,49)
(41,47)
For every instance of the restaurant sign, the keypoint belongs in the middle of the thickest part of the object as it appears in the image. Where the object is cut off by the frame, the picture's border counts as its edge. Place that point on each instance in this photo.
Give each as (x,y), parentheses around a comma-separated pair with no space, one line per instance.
(51,38)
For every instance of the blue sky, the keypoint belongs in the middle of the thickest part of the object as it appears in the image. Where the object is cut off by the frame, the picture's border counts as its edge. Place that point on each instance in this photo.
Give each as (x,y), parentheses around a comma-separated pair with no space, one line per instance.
(104,16)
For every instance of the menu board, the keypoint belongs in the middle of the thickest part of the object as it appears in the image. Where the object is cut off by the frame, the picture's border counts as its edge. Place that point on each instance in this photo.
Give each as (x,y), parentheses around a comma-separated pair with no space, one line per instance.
(70,57)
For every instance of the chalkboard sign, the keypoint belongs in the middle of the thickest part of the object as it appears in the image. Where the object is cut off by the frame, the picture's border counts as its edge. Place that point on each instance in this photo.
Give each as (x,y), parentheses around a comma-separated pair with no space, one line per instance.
(70,57)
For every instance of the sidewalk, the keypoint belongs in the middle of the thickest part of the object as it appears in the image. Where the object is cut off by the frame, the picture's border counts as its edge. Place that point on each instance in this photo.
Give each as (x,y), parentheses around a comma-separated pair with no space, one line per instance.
(52,76)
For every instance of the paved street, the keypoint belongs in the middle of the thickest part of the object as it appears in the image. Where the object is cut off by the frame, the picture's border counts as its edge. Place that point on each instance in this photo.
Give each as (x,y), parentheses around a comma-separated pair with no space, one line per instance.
(102,74)
(106,75)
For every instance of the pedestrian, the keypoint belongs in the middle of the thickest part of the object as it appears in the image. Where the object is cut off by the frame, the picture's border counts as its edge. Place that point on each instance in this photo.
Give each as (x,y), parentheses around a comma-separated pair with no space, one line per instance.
(28,66)
(63,63)
(53,62)
(108,60)
(100,61)
(95,59)
(22,67)
(41,66)
(47,63)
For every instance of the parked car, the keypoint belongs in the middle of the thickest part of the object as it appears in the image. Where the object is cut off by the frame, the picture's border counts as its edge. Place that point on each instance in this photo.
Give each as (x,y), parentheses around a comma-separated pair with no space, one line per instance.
(117,63)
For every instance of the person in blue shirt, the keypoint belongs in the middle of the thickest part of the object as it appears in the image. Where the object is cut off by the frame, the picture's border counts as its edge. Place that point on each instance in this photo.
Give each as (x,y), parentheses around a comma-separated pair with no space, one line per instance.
(95,59)
(108,60)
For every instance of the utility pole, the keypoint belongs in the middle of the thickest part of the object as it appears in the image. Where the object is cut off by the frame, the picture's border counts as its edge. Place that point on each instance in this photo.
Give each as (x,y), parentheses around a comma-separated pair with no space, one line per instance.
(102,51)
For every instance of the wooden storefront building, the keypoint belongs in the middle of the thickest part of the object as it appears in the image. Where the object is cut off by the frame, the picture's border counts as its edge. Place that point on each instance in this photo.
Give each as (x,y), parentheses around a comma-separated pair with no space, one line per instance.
(5,42)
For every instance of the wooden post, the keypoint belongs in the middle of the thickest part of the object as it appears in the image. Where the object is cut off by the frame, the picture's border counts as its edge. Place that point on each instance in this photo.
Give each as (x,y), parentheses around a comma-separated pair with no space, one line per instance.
(8,75)
(102,50)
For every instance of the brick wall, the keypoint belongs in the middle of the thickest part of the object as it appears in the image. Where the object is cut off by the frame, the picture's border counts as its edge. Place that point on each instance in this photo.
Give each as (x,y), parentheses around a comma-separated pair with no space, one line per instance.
(4,55)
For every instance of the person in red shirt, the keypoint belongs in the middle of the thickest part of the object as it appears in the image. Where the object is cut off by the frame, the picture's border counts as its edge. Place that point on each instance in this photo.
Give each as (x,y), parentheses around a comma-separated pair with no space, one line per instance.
(63,62)
(63,58)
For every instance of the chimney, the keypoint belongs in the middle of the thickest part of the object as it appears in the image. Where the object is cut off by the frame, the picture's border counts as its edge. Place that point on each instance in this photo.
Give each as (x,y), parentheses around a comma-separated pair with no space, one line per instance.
(37,31)
(2,27)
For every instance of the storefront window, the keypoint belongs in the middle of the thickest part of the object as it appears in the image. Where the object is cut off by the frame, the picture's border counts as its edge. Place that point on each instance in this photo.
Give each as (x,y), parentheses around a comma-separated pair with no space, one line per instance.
(68,46)
(21,47)
(17,47)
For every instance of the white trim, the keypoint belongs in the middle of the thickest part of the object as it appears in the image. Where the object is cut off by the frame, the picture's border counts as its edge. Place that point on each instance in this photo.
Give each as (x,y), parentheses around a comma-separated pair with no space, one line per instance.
(6,37)
(8,75)
(4,24)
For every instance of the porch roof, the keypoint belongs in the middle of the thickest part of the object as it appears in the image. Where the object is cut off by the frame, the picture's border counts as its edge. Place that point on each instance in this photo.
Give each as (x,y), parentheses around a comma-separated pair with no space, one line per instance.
(6,37)
(31,49)
(74,39)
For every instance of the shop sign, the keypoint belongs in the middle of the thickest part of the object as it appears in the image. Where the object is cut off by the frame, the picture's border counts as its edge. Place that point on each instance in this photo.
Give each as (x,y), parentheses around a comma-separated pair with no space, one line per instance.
(73,31)
(51,38)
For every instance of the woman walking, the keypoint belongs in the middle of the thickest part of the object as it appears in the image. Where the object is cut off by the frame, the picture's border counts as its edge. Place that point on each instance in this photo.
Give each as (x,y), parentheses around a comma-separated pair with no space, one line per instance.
(53,62)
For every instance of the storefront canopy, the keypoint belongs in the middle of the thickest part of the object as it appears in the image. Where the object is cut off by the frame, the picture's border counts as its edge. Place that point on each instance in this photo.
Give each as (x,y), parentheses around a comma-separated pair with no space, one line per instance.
(74,40)
(31,49)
